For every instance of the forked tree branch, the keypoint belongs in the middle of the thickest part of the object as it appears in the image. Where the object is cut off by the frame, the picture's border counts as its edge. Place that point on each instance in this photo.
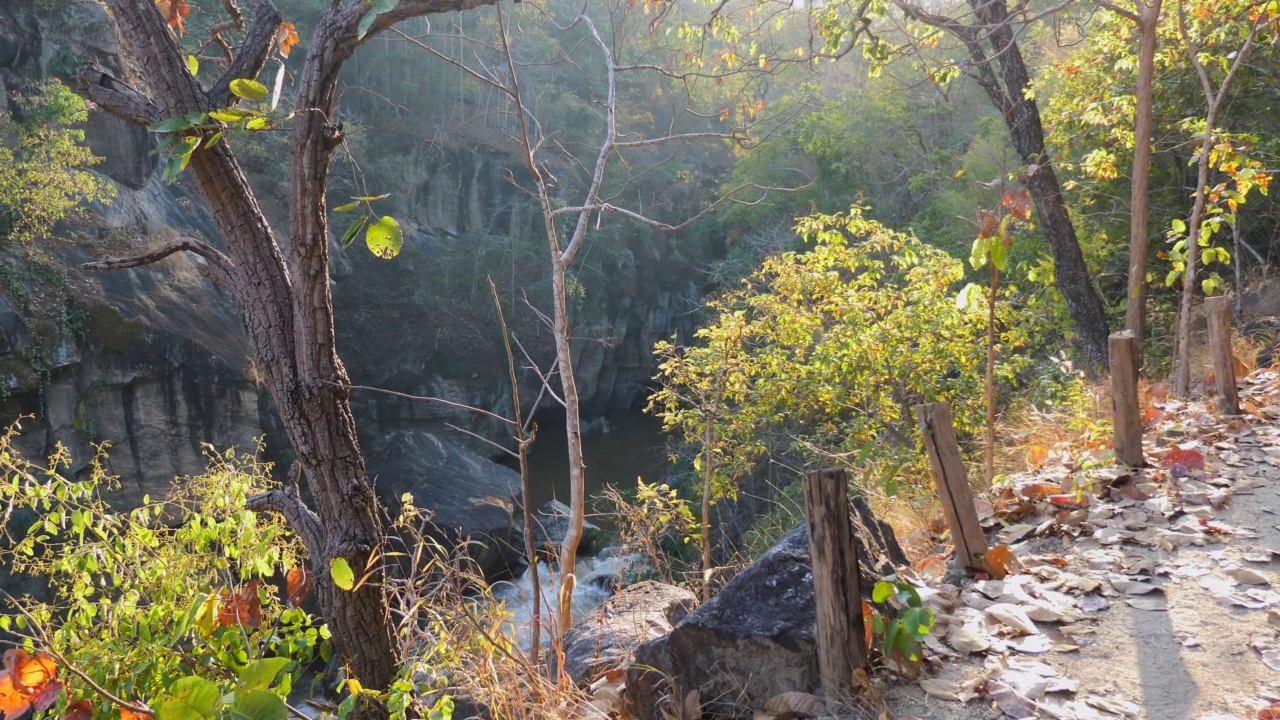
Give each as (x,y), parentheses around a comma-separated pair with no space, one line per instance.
(300,518)
(253,53)
(117,97)
(220,268)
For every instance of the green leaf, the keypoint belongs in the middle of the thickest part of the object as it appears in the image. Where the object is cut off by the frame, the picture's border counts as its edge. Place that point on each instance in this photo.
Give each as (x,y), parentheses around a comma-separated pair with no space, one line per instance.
(978,254)
(172,125)
(891,635)
(184,150)
(189,698)
(1179,226)
(882,591)
(366,22)
(258,705)
(384,238)
(371,198)
(213,140)
(347,207)
(249,89)
(999,253)
(193,65)
(258,123)
(352,230)
(260,673)
(342,575)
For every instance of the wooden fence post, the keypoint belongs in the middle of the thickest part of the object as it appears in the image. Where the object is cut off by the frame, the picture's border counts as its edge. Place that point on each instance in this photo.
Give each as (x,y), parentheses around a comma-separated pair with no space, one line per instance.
(952,482)
(1126,415)
(1218,310)
(841,642)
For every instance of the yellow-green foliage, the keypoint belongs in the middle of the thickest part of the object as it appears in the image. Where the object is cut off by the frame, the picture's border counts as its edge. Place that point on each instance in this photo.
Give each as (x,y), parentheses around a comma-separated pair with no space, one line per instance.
(43,175)
(822,354)
(135,597)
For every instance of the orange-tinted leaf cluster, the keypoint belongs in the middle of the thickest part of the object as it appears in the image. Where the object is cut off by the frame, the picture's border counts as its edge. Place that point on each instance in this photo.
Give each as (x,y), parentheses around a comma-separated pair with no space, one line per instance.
(1270,713)
(298,585)
(242,608)
(27,681)
(286,38)
(174,12)
(1018,203)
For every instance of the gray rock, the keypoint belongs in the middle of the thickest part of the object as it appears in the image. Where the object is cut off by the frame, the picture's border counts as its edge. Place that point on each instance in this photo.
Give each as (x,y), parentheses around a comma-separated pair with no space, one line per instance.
(607,638)
(755,638)
(471,496)
(551,524)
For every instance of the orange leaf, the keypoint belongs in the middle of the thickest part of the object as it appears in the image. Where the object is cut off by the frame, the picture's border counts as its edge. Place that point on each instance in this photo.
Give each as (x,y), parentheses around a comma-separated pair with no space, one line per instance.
(1018,203)
(1241,368)
(1069,502)
(1189,459)
(286,38)
(1038,490)
(30,672)
(298,585)
(79,710)
(12,703)
(174,11)
(999,561)
(1151,416)
(1038,455)
(242,608)
(867,623)
(1270,713)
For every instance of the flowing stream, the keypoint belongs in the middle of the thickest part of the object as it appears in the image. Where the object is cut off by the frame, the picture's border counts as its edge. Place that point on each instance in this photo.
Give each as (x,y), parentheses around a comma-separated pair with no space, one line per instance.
(626,446)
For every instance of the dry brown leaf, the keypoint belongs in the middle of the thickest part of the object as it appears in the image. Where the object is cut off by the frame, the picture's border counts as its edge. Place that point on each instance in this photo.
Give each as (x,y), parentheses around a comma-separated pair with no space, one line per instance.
(999,561)
(796,702)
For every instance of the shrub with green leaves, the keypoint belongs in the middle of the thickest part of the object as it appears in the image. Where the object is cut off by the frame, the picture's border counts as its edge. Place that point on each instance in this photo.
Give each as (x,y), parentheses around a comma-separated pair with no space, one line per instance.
(44,164)
(165,605)
(821,355)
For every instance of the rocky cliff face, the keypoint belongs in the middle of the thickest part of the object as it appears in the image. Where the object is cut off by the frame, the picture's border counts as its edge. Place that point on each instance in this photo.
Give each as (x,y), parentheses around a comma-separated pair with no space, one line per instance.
(155,362)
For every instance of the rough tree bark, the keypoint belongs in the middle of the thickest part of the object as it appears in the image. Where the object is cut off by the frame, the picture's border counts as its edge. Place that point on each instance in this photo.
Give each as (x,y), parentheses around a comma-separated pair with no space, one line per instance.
(1006,90)
(1147,19)
(285,302)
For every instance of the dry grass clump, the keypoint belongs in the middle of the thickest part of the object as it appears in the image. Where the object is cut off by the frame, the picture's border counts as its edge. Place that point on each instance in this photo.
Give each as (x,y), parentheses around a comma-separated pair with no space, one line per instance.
(461,641)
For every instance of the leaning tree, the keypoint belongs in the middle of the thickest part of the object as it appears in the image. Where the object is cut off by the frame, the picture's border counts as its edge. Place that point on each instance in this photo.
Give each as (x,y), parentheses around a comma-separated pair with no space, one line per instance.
(281,288)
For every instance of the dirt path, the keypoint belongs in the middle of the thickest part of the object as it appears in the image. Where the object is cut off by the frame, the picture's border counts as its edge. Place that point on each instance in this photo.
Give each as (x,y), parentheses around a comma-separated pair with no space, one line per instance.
(1150,595)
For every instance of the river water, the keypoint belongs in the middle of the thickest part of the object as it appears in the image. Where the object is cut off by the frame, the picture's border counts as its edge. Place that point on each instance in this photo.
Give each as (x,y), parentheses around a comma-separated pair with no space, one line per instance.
(633,446)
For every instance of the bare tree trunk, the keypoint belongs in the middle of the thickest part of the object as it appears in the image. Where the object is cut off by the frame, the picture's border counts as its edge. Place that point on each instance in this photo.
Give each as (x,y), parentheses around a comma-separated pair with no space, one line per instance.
(989,452)
(1135,320)
(573,427)
(285,304)
(707,473)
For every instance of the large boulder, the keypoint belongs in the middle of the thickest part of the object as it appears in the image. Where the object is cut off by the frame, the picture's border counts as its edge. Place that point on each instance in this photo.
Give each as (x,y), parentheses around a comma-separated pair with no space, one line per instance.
(471,496)
(607,639)
(756,638)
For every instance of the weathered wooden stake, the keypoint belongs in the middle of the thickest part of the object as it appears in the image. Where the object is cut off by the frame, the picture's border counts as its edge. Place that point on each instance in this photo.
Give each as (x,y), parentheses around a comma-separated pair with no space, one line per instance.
(952,482)
(841,643)
(1218,310)
(1126,415)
